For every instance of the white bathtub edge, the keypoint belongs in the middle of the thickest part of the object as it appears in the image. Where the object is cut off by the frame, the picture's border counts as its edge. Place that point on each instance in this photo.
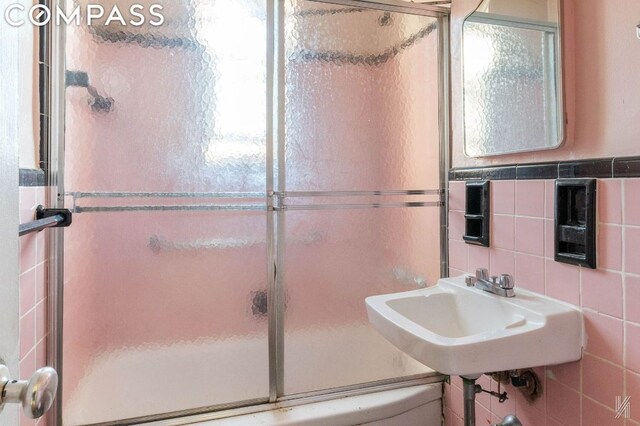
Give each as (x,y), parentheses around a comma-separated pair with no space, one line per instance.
(349,410)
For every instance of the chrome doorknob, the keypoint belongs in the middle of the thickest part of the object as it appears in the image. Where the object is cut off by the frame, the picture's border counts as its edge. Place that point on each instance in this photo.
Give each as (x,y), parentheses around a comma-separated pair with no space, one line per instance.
(36,395)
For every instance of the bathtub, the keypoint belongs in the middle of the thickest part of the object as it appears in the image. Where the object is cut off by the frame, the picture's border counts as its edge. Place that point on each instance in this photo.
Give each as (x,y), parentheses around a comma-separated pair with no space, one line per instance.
(132,381)
(419,405)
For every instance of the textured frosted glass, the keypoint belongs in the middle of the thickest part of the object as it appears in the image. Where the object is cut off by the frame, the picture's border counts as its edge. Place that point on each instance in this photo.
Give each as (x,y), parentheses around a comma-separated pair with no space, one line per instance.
(361,98)
(334,260)
(163,313)
(188,107)
(166,311)
(510,102)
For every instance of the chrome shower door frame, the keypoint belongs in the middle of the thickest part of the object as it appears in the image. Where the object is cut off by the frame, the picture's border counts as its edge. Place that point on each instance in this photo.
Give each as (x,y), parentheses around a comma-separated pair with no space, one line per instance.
(275,187)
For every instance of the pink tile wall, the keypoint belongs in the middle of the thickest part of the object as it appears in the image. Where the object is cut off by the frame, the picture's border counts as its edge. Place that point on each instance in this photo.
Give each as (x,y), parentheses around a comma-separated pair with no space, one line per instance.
(33,292)
(583,392)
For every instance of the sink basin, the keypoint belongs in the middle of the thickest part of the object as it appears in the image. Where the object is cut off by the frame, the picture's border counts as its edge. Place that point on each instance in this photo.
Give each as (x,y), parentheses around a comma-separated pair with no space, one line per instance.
(464,331)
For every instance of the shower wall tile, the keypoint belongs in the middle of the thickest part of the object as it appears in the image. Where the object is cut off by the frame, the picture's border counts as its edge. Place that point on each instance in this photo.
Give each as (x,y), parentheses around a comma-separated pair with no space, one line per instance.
(505,203)
(33,291)
(610,208)
(530,198)
(581,393)
(596,414)
(610,247)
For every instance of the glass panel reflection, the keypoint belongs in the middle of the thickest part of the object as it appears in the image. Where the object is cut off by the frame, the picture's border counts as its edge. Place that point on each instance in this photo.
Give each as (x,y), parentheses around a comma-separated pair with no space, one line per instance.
(159,313)
(361,104)
(333,261)
(189,101)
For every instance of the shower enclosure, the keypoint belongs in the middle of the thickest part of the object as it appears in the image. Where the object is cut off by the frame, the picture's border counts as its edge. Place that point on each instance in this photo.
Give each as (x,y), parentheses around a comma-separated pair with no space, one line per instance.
(241,178)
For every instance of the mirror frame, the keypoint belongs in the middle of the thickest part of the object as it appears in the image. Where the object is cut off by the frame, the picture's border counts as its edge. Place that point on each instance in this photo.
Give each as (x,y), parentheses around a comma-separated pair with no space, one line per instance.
(461,11)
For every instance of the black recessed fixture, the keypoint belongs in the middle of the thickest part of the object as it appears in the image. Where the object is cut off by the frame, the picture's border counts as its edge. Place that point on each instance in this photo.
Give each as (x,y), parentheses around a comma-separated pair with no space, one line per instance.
(477,213)
(575,222)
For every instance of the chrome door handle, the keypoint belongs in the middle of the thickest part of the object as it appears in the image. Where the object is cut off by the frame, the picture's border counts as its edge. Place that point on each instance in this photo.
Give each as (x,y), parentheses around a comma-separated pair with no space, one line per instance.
(36,395)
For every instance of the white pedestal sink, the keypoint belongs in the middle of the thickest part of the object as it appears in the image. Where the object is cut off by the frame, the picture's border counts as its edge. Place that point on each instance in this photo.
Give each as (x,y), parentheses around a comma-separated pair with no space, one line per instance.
(464,331)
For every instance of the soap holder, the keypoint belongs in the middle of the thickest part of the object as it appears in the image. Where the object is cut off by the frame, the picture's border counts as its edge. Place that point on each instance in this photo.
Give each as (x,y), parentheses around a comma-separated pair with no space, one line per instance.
(477,213)
(575,222)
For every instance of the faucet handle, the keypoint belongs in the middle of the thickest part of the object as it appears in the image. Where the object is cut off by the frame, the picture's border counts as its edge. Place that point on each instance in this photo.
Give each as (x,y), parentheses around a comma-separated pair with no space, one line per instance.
(506,281)
(470,280)
(482,274)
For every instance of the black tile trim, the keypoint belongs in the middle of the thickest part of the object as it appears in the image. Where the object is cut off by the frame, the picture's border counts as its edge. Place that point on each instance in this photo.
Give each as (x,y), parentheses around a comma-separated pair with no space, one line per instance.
(626,167)
(537,171)
(599,168)
(32,177)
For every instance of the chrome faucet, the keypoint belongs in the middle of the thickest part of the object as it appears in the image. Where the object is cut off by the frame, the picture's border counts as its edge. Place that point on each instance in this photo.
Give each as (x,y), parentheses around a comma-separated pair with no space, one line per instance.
(501,286)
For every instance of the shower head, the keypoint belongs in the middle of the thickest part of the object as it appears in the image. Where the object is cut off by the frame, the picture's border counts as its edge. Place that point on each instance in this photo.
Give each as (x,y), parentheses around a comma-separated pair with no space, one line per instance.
(97,102)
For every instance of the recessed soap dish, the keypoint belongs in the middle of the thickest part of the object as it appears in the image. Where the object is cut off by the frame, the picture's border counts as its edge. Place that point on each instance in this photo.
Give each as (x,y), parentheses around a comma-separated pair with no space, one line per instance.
(575,222)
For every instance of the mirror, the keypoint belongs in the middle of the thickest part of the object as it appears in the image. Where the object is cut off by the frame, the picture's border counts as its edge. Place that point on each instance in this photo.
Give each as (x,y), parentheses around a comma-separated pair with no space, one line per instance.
(512,77)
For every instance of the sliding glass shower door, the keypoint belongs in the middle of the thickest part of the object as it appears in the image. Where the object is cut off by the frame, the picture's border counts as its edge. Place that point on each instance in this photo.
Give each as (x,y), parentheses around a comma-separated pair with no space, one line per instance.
(242,178)
(165,167)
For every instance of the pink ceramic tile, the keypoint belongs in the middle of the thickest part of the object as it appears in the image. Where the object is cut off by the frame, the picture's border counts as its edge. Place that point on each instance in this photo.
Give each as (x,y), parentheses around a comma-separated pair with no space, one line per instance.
(602,381)
(27,333)
(549,199)
(41,320)
(568,374)
(27,252)
(632,297)
(41,354)
(523,405)
(502,231)
(552,422)
(594,414)
(602,291)
(632,201)
(453,272)
(562,281)
(27,203)
(633,390)
(41,195)
(456,196)
(456,225)
(530,198)
(502,262)
(450,419)
(609,255)
(478,257)
(41,246)
(483,398)
(455,401)
(446,397)
(604,336)
(507,407)
(563,404)
(25,421)
(503,197)
(483,415)
(610,201)
(632,249)
(530,272)
(527,414)
(458,255)
(633,347)
(27,291)
(456,381)
(28,365)
(530,236)
(41,281)
(549,242)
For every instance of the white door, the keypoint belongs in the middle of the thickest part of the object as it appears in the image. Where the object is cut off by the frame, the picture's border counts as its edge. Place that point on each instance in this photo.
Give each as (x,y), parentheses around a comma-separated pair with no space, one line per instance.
(11,40)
